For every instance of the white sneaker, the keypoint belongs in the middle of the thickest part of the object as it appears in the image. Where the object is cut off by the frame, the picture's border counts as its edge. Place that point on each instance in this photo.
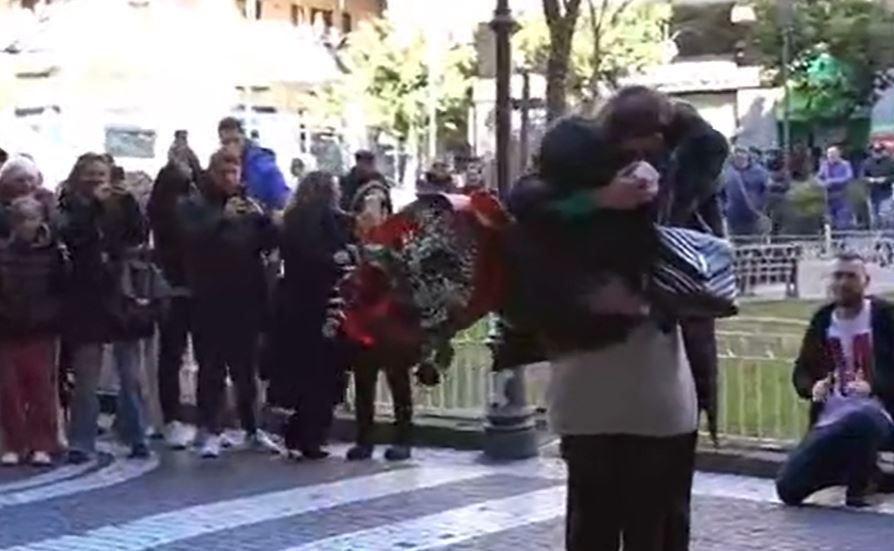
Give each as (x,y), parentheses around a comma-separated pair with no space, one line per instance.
(178,436)
(41,459)
(228,440)
(262,442)
(211,447)
(9,459)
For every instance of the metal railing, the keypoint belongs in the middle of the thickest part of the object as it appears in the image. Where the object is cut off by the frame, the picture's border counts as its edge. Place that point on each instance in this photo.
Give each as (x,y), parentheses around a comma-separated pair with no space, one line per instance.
(756,400)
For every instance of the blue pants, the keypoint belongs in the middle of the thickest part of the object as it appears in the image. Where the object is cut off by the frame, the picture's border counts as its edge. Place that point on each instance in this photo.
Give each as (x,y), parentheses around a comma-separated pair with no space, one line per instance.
(840,215)
(87,366)
(842,453)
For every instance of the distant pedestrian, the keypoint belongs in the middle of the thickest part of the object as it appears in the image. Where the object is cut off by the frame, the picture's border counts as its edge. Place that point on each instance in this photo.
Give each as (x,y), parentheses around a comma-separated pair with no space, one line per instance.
(32,284)
(263,180)
(226,234)
(878,171)
(102,227)
(745,192)
(309,367)
(363,172)
(835,175)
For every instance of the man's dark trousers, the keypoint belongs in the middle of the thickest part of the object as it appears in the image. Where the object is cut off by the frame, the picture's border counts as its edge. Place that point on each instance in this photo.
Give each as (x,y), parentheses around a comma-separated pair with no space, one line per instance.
(844,452)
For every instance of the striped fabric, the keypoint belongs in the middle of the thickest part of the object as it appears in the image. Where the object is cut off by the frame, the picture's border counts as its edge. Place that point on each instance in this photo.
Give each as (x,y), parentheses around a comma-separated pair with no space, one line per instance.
(694,276)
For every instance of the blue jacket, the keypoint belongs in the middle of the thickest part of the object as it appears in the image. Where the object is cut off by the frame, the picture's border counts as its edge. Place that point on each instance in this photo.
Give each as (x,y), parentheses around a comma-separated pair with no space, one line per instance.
(835,176)
(745,192)
(263,179)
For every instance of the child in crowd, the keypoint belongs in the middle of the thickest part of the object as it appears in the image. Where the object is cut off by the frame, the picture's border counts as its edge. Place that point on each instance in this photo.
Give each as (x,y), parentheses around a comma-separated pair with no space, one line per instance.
(32,274)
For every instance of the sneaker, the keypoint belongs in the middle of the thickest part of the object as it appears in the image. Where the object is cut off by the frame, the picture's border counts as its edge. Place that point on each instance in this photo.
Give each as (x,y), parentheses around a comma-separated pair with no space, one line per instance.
(398,453)
(41,459)
(178,435)
(227,441)
(211,447)
(9,459)
(139,451)
(360,452)
(262,442)
(77,457)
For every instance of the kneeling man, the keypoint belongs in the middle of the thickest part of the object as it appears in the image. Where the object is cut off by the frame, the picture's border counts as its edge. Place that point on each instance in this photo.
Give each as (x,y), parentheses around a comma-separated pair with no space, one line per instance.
(846,367)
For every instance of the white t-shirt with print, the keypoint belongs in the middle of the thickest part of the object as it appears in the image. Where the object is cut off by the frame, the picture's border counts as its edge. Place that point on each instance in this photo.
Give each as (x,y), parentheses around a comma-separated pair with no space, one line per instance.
(850,343)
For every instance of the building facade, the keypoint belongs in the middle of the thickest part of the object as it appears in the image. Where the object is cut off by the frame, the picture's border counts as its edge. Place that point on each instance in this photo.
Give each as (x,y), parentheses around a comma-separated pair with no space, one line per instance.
(340,15)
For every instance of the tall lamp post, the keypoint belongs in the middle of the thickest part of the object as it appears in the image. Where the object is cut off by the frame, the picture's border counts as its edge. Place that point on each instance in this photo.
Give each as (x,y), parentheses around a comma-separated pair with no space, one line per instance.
(787,17)
(510,432)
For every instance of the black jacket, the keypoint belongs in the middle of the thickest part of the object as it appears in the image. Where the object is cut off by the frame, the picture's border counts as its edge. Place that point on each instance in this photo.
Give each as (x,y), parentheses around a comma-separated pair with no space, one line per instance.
(815,361)
(225,264)
(98,237)
(32,287)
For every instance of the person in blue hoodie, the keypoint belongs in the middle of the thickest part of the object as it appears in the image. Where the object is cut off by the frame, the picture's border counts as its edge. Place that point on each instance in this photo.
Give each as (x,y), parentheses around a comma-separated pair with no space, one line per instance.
(263,180)
(745,184)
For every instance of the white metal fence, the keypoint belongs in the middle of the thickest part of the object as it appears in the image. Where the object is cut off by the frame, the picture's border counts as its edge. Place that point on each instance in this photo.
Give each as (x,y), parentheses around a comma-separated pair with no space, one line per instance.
(756,399)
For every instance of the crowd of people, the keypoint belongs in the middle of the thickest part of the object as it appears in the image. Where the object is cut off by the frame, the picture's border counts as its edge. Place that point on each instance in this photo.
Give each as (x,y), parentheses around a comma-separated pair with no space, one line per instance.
(88,270)
(756,189)
(250,274)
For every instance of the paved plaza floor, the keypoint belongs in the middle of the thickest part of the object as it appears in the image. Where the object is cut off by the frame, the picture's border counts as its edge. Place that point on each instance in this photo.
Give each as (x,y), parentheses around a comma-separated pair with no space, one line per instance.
(439,500)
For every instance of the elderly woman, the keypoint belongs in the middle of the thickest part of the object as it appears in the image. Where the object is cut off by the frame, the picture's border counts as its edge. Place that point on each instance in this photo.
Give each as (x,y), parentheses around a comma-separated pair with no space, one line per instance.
(19,176)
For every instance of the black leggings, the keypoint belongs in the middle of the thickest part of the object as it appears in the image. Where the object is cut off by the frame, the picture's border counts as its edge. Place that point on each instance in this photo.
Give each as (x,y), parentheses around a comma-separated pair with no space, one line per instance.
(365,378)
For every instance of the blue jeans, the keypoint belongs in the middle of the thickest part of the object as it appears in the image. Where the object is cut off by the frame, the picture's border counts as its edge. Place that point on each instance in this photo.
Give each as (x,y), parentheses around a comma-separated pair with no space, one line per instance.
(87,366)
(844,452)
(840,215)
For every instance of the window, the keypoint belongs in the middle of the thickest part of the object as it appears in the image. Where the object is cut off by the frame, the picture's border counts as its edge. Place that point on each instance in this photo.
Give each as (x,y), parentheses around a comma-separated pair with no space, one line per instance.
(130,141)
(325,16)
(297,15)
(259,5)
(346,24)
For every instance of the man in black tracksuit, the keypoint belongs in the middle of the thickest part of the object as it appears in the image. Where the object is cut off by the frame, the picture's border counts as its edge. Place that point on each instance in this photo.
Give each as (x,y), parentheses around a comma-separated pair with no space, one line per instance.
(226,235)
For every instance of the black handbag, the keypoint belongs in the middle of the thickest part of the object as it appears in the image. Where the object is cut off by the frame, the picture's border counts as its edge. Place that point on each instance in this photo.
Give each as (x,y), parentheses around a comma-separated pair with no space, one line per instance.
(142,296)
(693,276)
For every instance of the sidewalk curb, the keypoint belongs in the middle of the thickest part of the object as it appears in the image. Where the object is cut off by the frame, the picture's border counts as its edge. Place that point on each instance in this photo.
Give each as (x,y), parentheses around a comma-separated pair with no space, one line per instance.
(468,434)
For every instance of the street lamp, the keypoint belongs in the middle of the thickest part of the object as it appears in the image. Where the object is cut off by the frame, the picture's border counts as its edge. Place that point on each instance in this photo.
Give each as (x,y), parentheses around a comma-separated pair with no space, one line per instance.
(787,18)
(509,431)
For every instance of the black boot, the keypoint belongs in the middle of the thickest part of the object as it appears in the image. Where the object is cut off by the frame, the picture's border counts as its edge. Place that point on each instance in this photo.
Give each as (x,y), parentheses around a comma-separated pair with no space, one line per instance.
(398,452)
(360,452)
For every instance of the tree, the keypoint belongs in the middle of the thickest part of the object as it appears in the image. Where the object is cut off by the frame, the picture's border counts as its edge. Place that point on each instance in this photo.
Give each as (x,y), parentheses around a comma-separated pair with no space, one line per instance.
(842,53)
(389,75)
(613,38)
(561,21)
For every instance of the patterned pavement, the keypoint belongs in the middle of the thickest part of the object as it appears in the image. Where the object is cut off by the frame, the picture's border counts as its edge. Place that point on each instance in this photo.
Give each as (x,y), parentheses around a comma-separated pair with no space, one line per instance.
(441,500)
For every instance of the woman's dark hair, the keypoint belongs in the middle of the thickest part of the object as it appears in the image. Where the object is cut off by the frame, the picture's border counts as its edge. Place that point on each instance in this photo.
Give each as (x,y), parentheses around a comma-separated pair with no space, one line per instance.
(636,111)
(317,188)
(575,154)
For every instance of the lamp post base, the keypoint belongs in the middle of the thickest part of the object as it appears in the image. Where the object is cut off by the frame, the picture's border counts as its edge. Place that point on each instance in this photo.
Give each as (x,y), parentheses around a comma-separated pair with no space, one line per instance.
(509,431)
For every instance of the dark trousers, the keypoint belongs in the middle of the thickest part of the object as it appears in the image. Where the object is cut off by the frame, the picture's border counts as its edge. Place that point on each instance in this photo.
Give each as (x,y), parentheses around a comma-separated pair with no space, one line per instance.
(173,338)
(844,452)
(630,489)
(223,349)
(308,427)
(365,378)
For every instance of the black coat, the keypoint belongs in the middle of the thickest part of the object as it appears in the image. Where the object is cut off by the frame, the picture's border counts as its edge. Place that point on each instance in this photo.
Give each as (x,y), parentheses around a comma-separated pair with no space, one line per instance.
(98,236)
(170,186)
(225,259)
(303,364)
